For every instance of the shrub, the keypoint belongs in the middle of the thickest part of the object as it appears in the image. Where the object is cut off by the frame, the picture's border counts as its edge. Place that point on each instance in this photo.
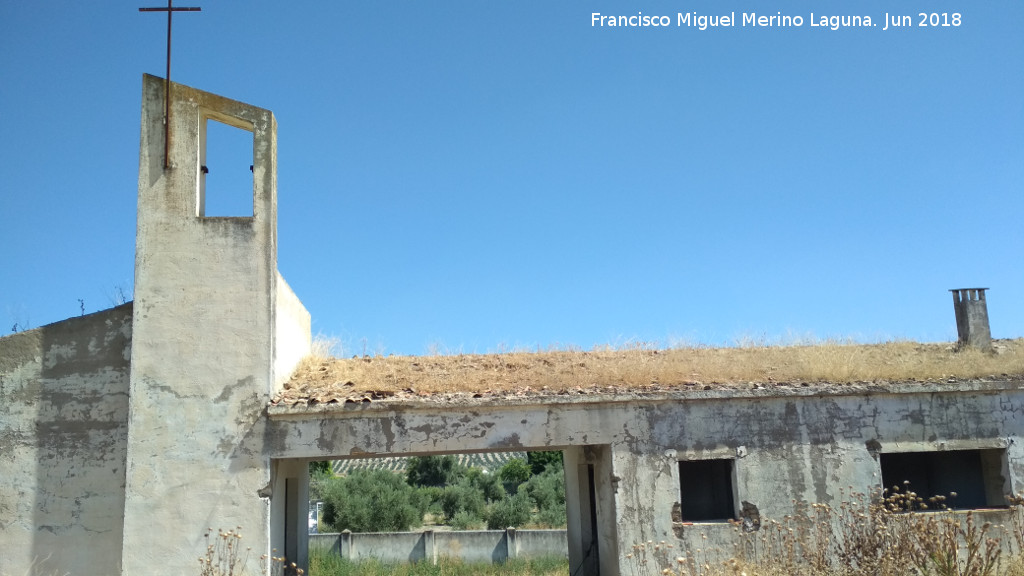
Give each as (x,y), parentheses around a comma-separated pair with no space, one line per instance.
(546,490)
(431,496)
(433,471)
(464,520)
(553,517)
(377,501)
(513,511)
(463,497)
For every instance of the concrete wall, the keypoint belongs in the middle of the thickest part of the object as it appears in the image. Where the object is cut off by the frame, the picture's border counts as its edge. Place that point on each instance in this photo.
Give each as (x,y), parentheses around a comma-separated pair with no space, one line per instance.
(63,440)
(475,545)
(784,445)
(206,358)
(489,546)
(293,336)
(533,543)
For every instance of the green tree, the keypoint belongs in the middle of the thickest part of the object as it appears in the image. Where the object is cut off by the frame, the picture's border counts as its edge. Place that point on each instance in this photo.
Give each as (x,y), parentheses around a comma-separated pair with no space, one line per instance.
(538,461)
(376,501)
(320,474)
(433,471)
(547,493)
(514,473)
(319,467)
(488,484)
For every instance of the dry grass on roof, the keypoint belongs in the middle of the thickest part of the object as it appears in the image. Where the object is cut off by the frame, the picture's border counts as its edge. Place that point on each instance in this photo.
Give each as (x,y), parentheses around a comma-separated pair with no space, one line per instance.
(322,379)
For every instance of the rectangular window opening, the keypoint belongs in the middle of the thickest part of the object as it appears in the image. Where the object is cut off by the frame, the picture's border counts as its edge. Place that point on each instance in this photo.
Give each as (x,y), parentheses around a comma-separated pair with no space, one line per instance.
(974,476)
(225,170)
(706,490)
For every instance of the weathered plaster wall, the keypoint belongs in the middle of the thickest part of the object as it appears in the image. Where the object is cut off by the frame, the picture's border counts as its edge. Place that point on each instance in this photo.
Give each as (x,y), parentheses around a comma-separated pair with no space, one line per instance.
(63,438)
(204,363)
(293,337)
(808,449)
(796,445)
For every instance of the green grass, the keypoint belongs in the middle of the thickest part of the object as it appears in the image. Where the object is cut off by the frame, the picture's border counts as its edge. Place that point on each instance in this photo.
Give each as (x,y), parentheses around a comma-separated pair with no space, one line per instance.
(328,564)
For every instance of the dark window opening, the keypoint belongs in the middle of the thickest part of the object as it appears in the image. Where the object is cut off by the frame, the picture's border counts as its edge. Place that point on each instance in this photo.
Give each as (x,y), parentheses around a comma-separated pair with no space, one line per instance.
(974,476)
(706,490)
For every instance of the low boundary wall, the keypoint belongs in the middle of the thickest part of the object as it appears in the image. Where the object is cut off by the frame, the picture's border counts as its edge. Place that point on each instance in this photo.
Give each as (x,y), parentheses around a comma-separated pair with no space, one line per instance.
(494,546)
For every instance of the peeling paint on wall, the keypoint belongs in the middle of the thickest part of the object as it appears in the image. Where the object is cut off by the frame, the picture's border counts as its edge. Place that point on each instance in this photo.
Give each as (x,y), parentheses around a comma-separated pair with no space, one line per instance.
(63,441)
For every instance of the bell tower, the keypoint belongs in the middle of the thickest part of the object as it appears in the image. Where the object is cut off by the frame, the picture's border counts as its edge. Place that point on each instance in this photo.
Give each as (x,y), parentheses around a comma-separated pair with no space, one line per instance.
(216,331)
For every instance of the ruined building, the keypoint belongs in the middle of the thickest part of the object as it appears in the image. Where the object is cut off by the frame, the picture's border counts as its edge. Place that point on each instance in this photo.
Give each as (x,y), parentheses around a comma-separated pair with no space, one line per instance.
(126,434)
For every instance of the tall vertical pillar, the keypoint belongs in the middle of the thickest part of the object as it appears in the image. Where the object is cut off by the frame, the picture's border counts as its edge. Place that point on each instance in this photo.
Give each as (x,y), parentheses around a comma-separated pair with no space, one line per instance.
(581,514)
(289,512)
(205,356)
(972,318)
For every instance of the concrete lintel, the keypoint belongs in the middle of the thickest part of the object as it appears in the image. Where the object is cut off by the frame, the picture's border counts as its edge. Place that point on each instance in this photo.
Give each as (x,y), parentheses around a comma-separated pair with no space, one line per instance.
(944,444)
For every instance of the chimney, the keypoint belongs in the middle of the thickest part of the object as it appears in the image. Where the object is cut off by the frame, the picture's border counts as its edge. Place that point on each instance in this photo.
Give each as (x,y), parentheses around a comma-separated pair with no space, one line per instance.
(972,318)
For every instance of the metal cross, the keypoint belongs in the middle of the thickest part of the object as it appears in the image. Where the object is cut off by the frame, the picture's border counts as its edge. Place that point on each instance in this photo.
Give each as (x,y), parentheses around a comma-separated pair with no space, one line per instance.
(167,79)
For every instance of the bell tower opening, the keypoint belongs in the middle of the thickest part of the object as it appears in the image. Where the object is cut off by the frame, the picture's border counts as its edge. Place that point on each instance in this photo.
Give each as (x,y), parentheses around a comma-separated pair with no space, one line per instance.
(225,168)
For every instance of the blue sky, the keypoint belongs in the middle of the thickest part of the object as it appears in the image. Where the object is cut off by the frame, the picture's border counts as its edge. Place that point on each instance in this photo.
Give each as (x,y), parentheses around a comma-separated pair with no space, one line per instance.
(478,176)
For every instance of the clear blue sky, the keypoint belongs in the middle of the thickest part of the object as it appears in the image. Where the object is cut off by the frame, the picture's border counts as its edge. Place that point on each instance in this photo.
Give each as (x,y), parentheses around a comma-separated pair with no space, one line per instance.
(472,176)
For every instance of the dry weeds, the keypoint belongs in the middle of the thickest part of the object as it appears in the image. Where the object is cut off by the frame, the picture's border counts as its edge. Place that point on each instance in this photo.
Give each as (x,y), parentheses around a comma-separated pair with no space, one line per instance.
(895,534)
(324,379)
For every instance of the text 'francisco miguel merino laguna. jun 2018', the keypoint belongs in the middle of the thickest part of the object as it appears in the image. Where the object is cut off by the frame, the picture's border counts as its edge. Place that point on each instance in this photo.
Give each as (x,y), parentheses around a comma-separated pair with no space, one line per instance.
(699,21)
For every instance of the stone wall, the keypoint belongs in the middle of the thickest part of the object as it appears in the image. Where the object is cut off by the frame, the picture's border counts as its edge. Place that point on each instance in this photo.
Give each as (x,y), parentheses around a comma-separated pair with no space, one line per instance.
(63,440)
